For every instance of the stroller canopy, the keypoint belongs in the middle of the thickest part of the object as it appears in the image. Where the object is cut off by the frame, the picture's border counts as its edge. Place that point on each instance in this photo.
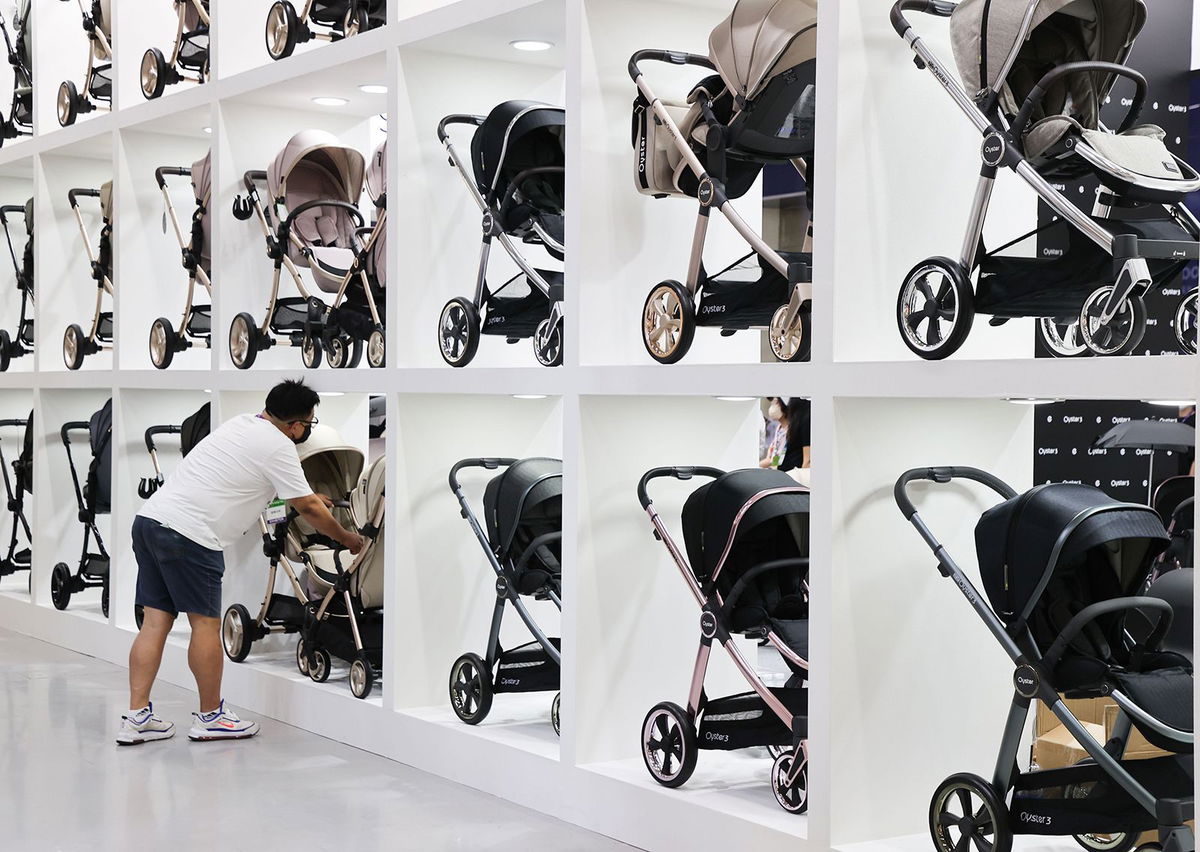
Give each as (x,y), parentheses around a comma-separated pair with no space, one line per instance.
(191,16)
(377,174)
(1025,542)
(984,32)
(23,466)
(195,429)
(761,39)
(98,490)
(106,201)
(315,165)
(202,191)
(527,496)
(725,519)
(519,135)
(365,504)
(331,466)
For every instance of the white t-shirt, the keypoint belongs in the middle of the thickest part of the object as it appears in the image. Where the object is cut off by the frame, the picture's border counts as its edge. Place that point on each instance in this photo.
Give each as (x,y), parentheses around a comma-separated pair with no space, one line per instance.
(222,486)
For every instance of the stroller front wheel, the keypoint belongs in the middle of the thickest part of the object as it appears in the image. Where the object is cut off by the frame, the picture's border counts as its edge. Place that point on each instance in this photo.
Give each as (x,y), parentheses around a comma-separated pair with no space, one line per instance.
(153,73)
(668,322)
(282,31)
(1062,338)
(310,352)
(362,677)
(60,586)
(5,350)
(68,103)
(162,343)
(795,343)
(935,293)
(354,22)
(471,689)
(1185,323)
(243,341)
(669,744)
(319,665)
(1122,333)
(555,709)
(548,344)
(789,783)
(377,349)
(74,347)
(966,812)
(236,628)
(344,353)
(458,332)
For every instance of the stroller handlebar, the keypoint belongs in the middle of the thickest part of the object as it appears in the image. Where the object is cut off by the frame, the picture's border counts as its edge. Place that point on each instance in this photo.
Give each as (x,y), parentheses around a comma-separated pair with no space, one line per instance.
(294,214)
(1089,614)
(72,426)
(160,174)
(944,475)
(11,208)
(680,473)
(486,463)
(15,424)
(166,429)
(1038,92)
(73,194)
(940,8)
(458,118)
(674,57)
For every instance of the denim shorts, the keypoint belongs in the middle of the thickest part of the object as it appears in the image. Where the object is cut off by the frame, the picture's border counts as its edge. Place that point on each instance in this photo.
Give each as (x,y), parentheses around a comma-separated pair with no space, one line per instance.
(174,573)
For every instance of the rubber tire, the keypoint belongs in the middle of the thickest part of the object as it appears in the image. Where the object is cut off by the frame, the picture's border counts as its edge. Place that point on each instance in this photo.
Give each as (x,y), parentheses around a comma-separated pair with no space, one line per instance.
(964,296)
(169,344)
(485,689)
(319,671)
(104,599)
(473,332)
(556,356)
(779,770)
(252,345)
(1187,345)
(1040,325)
(1137,332)
(160,78)
(366,673)
(804,352)
(687,761)
(364,21)
(687,319)
(555,714)
(5,350)
(311,352)
(61,581)
(377,343)
(242,650)
(68,87)
(1002,837)
(80,354)
(302,656)
(292,37)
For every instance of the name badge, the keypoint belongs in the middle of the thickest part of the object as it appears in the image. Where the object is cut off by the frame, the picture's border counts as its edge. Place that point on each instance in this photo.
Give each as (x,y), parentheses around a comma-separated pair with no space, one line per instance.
(276,513)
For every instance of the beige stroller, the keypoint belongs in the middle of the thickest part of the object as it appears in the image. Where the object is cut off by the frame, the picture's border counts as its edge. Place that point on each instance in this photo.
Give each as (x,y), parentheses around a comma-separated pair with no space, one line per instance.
(190,53)
(97,80)
(76,344)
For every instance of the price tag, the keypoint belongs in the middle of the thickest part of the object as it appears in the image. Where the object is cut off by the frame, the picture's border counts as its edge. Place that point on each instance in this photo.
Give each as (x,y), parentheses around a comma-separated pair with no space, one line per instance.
(276,513)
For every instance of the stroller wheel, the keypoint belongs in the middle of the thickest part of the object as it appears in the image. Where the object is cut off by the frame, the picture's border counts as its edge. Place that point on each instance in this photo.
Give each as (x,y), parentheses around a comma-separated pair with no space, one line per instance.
(458,332)
(243,341)
(966,812)
(775,751)
(668,322)
(310,352)
(354,22)
(555,708)
(937,291)
(68,103)
(1100,842)
(154,73)
(236,629)
(377,349)
(362,677)
(302,661)
(470,689)
(162,343)
(669,744)
(319,665)
(73,347)
(344,353)
(1061,338)
(283,30)
(5,350)
(795,343)
(1185,323)
(104,599)
(548,344)
(789,783)
(1121,334)
(61,582)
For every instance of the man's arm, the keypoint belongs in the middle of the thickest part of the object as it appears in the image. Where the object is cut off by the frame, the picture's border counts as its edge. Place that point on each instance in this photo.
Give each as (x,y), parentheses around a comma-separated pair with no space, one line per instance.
(312,509)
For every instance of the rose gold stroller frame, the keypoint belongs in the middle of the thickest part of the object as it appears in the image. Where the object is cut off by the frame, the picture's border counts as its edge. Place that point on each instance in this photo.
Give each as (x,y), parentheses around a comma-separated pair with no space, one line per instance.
(76,346)
(192,263)
(70,102)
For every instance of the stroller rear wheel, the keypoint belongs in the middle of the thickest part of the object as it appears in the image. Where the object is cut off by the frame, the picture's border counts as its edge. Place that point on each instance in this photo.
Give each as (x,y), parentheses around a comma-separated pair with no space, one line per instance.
(362,677)
(104,599)
(1062,338)
(68,103)
(377,349)
(458,332)
(470,689)
(61,582)
(344,353)
(283,30)
(153,73)
(790,783)
(555,709)
(354,22)
(74,347)
(1185,323)
(548,344)
(236,629)
(162,343)
(319,665)
(310,351)
(243,341)
(966,812)
(668,322)
(791,344)
(935,292)
(302,660)
(669,744)
(1121,334)
(5,350)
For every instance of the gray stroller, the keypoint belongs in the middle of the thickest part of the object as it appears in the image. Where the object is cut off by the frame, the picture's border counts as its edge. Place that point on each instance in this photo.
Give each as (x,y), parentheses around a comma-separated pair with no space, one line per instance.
(97,79)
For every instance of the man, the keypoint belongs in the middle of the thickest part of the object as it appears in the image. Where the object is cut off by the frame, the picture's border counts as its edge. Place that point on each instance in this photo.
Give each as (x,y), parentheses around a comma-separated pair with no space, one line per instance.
(214,496)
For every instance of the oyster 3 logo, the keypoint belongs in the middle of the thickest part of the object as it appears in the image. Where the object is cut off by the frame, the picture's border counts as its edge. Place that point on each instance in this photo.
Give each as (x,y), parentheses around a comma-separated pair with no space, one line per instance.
(1037,819)
(714,737)
(713,309)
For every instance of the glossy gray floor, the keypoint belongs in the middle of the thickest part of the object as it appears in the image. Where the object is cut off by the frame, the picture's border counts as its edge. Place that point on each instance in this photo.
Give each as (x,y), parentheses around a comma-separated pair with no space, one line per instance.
(65,785)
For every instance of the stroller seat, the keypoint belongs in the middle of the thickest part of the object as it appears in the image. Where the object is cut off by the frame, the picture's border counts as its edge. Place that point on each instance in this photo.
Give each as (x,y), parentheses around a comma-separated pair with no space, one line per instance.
(329,265)
(1165,693)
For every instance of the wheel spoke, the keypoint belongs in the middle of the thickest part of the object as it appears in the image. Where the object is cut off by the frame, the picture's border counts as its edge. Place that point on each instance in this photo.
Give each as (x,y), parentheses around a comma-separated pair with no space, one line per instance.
(935,331)
(964,801)
(924,288)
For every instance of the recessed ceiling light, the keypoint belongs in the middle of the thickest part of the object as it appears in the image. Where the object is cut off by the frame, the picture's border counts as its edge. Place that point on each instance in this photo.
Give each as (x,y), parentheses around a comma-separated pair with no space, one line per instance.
(373,89)
(206,129)
(330,102)
(1172,403)
(529,396)
(737,398)
(331,393)
(531,45)
(1033,400)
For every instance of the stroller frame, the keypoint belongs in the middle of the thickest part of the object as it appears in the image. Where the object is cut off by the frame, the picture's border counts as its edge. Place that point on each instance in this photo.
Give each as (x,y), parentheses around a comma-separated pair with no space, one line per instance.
(1029,685)
(790,327)
(72,103)
(286,28)
(470,666)
(165,341)
(321,334)
(22,343)
(789,774)
(12,127)
(151,484)
(93,569)
(13,560)
(158,71)
(1001,148)
(548,337)
(77,345)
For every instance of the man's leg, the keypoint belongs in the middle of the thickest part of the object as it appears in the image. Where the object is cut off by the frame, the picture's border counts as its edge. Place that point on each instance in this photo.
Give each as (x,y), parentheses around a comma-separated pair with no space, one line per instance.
(206,658)
(146,655)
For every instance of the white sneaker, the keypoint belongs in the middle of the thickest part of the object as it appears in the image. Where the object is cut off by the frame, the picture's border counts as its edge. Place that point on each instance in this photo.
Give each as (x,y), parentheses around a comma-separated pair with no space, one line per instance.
(220,724)
(142,726)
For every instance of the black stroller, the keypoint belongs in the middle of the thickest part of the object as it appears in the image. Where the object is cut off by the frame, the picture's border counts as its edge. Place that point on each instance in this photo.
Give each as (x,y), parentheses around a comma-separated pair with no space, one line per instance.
(746,535)
(192,431)
(94,497)
(77,344)
(188,55)
(325,20)
(98,78)
(1063,568)
(523,543)
(16,487)
(20,57)
(20,344)
(517,177)
(760,108)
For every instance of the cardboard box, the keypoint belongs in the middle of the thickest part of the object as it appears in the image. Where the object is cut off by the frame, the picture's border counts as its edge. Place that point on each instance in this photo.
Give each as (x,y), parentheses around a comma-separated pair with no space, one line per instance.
(1089,710)
(1137,748)
(1057,749)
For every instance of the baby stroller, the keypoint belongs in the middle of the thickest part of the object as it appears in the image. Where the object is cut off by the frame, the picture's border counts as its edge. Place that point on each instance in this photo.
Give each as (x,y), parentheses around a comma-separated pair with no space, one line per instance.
(750,578)
(195,327)
(16,487)
(97,80)
(523,543)
(76,345)
(518,168)
(313,221)
(759,108)
(94,497)
(22,344)
(190,52)
(1035,74)
(1063,566)
(20,57)
(336,19)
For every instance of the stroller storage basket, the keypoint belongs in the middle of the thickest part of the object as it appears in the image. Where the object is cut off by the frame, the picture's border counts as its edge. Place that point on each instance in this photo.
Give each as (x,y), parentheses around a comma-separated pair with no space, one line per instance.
(742,303)
(515,316)
(334,635)
(527,668)
(745,721)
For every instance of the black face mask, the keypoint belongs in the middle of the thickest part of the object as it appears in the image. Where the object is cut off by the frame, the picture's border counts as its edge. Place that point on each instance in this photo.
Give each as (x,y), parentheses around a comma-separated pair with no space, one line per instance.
(305,435)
